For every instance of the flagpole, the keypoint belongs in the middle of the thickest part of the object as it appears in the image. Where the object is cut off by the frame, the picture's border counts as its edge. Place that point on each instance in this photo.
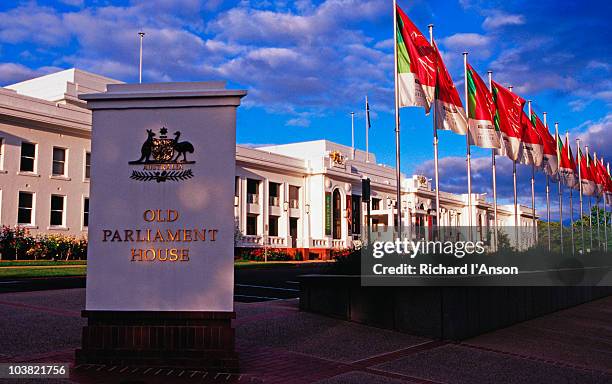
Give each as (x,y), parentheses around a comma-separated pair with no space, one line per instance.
(353,135)
(603,197)
(605,216)
(586,149)
(367,131)
(605,223)
(516,220)
(591,222)
(141,34)
(467,142)
(598,225)
(397,127)
(558,139)
(580,185)
(571,190)
(494,175)
(597,205)
(533,213)
(547,193)
(435,145)
(572,219)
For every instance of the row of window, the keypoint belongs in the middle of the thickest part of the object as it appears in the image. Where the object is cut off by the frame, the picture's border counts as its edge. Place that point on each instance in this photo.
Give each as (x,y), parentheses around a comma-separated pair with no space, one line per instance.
(59,167)
(252,230)
(273,192)
(57,215)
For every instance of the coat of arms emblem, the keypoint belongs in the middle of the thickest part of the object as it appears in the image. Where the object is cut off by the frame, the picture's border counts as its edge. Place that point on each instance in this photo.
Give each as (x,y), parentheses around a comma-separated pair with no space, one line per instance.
(337,158)
(163,158)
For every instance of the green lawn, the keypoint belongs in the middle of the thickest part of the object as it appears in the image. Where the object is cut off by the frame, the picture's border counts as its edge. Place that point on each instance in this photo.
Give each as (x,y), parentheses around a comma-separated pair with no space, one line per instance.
(43,268)
(31,263)
(258,264)
(78,270)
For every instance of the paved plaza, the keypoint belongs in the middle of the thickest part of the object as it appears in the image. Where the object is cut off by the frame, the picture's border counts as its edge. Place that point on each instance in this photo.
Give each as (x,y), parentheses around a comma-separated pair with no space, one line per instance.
(279,344)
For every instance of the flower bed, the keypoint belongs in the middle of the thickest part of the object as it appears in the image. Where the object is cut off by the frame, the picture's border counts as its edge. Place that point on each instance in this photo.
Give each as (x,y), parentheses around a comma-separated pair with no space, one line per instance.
(17,243)
(261,254)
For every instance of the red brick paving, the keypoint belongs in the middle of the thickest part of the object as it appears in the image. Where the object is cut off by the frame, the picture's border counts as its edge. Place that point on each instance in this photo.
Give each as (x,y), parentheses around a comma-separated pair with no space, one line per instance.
(277,365)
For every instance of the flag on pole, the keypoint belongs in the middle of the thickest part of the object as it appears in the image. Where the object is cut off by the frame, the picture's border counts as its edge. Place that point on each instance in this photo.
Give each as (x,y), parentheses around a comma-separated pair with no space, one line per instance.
(509,107)
(367,107)
(416,65)
(597,175)
(609,189)
(568,172)
(532,151)
(481,112)
(549,160)
(588,182)
(450,115)
(605,177)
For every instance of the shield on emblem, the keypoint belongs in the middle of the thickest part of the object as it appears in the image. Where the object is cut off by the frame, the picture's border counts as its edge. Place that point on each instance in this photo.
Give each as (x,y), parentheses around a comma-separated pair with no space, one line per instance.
(162,150)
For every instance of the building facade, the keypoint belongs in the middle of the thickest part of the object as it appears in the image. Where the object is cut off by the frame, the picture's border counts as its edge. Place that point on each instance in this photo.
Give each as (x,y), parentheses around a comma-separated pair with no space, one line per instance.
(304,196)
(44,152)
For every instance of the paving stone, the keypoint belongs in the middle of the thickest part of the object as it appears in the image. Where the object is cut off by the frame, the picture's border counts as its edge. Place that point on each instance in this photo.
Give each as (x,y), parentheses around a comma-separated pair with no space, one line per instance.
(456,364)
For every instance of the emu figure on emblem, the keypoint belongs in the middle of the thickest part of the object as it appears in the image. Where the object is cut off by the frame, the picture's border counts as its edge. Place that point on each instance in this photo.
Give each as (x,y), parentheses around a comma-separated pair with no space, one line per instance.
(181,147)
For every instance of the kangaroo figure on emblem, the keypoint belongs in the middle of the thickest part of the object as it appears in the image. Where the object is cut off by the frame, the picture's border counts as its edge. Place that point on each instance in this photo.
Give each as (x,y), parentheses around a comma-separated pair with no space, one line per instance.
(181,147)
(145,150)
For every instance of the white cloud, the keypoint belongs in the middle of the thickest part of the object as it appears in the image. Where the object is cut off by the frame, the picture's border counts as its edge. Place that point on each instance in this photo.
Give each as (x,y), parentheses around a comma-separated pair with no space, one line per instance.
(596,134)
(578,105)
(74,3)
(466,40)
(596,64)
(298,122)
(32,23)
(498,19)
(384,44)
(13,72)
(477,45)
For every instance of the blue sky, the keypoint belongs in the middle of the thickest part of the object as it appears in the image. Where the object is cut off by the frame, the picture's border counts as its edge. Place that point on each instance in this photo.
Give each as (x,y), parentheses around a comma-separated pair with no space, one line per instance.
(308,64)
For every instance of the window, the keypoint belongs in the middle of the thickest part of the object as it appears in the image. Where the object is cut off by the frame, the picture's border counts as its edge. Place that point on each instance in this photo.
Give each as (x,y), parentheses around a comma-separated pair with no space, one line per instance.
(86,212)
(26,208)
(59,162)
(274,190)
(87,165)
(273,226)
(252,191)
(251,225)
(375,204)
(57,211)
(28,157)
(237,186)
(356,214)
(1,152)
(294,196)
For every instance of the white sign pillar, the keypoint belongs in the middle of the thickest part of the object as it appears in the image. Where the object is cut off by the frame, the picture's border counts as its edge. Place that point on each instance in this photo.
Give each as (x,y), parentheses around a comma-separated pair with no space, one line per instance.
(161,232)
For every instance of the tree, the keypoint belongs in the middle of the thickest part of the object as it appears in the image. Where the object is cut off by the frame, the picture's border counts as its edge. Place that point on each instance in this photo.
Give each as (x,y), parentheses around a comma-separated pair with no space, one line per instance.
(604,218)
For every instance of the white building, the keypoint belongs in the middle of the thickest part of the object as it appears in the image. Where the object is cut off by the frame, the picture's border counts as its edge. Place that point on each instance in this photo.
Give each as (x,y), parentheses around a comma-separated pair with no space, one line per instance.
(303,195)
(45,135)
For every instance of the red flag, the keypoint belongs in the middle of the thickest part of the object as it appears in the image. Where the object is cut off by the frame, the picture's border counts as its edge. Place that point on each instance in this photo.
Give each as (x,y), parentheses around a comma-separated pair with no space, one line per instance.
(588,181)
(509,107)
(597,173)
(416,65)
(481,112)
(567,165)
(531,148)
(606,177)
(549,160)
(608,194)
(450,114)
